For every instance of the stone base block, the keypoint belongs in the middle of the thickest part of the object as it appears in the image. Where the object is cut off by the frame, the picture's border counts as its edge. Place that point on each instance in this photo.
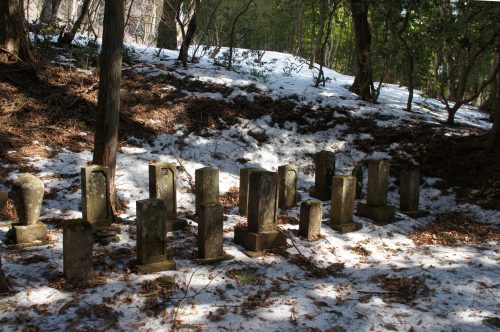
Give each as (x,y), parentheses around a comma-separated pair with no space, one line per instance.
(176,225)
(381,214)
(168,264)
(30,233)
(213,260)
(348,227)
(416,213)
(259,241)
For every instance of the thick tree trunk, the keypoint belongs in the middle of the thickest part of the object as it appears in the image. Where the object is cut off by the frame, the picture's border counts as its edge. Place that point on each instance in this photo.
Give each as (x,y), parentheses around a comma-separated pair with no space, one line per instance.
(108,102)
(68,37)
(167,29)
(188,39)
(46,11)
(363,81)
(13,34)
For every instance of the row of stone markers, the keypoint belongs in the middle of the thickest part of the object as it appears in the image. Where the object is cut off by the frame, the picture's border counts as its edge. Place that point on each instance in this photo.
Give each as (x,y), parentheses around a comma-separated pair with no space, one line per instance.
(261,193)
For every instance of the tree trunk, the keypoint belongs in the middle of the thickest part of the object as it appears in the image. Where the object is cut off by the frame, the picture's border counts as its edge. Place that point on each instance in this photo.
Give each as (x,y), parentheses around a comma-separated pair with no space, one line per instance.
(68,37)
(46,11)
(108,102)
(188,39)
(13,34)
(167,29)
(54,13)
(231,36)
(363,81)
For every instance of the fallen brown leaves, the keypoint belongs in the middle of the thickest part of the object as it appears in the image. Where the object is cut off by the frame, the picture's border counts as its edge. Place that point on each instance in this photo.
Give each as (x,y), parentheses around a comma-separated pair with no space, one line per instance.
(401,289)
(453,229)
(312,269)
(231,198)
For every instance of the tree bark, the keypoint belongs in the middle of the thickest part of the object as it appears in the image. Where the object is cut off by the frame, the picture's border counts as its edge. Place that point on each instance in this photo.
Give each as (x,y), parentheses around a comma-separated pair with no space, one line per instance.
(188,38)
(108,102)
(13,34)
(67,38)
(167,29)
(363,81)
(231,36)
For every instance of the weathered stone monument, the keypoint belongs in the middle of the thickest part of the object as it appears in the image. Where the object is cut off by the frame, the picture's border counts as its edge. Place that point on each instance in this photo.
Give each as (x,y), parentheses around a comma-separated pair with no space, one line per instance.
(376,207)
(4,195)
(207,186)
(27,193)
(261,232)
(163,185)
(4,285)
(324,162)
(244,185)
(152,237)
(288,176)
(357,172)
(211,233)
(311,213)
(342,208)
(77,251)
(409,193)
(96,205)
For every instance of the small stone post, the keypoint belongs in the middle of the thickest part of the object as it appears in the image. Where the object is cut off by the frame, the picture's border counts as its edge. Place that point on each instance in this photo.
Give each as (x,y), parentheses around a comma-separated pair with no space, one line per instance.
(357,171)
(342,208)
(151,237)
(27,193)
(244,185)
(376,207)
(4,285)
(77,251)
(210,233)
(410,192)
(311,213)
(207,186)
(288,176)
(4,195)
(324,162)
(162,185)
(261,232)
(96,205)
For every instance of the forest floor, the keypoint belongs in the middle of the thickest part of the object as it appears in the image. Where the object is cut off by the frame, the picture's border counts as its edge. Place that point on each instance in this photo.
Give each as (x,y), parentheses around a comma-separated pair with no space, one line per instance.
(439,272)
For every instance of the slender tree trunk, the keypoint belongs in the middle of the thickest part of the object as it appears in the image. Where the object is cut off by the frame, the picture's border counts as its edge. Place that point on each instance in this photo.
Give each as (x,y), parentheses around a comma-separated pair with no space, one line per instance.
(188,39)
(108,102)
(363,81)
(312,59)
(46,11)
(13,34)
(493,141)
(67,37)
(167,29)
(231,36)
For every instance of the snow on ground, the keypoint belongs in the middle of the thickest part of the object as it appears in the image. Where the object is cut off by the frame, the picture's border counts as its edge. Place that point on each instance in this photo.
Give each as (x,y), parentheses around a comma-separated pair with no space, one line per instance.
(460,284)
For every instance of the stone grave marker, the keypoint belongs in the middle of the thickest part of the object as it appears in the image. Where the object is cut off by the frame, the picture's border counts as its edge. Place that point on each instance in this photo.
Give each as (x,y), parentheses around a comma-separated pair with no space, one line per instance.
(163,185)
(4,285)
(288,176)
(27,193)
(342,208)
(409,193)
(244,185)
(4,196)
(207,186)
(311,213)
(96,205)
(357,171)
(261,232)
(376,207)
(152,237)
(324,162)
(77,251)
(211,233)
